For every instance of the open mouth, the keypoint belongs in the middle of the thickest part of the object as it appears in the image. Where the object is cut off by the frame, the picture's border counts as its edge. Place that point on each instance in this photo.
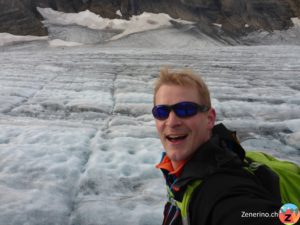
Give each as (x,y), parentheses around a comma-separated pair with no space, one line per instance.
(176,138)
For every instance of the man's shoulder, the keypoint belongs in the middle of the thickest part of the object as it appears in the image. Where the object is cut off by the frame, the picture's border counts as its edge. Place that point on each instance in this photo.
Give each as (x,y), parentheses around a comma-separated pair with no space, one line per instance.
(230,181)
(229,190)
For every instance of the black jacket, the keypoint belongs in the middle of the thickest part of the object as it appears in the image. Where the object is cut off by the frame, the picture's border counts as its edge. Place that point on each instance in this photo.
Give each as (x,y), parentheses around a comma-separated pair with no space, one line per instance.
(229,194)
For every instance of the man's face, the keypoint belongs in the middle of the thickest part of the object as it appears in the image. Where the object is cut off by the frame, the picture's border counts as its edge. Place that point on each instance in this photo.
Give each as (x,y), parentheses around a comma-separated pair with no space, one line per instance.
(182,136)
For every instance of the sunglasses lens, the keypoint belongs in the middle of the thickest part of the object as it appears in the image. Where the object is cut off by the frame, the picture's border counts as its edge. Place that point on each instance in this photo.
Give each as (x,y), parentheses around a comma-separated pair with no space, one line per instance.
(181,109)
(185,109)
(161,112)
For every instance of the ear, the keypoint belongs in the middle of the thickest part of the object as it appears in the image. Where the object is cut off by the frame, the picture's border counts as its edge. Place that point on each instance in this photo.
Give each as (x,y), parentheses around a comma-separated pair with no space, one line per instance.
(211,118)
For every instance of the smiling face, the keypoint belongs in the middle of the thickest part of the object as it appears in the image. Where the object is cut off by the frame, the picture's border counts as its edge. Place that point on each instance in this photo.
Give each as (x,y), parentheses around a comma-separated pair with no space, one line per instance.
(182,136)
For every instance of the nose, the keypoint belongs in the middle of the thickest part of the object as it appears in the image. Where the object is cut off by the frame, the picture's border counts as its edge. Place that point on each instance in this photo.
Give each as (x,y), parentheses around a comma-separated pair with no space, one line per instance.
(173,120)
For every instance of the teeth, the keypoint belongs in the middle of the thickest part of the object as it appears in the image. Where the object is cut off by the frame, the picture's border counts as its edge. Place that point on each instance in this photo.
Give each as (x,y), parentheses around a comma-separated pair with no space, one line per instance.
(172,137)
(175,136)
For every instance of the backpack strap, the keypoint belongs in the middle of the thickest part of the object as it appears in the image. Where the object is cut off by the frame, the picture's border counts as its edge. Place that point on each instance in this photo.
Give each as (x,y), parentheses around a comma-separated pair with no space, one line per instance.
(184,204)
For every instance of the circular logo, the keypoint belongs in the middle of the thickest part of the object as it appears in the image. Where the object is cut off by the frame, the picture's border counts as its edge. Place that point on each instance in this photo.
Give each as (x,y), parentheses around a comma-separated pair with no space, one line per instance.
(289,214)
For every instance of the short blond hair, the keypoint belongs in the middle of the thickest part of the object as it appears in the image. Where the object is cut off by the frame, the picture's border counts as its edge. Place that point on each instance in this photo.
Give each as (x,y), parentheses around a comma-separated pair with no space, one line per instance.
(185,78)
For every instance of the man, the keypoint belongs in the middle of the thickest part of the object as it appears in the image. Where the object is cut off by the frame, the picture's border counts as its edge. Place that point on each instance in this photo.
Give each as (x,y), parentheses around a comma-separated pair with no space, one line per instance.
(196,149)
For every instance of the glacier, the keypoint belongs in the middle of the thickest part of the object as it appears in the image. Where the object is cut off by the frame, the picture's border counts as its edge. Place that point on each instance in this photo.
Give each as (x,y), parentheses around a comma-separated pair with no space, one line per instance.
(77,139)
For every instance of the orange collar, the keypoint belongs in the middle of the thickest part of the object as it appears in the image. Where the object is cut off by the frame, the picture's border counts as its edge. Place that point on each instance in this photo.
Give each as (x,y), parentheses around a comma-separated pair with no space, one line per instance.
(166,164)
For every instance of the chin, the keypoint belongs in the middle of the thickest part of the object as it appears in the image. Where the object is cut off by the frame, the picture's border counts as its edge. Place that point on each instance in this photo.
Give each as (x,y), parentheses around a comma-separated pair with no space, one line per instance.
(174,156)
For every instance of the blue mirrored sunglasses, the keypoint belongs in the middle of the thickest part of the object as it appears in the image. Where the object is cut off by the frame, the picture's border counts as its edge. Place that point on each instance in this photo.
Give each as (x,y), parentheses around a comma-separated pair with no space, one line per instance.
(181,109)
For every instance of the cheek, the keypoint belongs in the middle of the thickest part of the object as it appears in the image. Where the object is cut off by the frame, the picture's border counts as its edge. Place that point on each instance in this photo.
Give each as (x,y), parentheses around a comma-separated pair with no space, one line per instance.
(197,127)
(159,126)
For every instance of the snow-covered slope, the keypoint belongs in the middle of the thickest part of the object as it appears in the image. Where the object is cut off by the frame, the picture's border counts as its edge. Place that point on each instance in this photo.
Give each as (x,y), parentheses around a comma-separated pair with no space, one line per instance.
(77,140)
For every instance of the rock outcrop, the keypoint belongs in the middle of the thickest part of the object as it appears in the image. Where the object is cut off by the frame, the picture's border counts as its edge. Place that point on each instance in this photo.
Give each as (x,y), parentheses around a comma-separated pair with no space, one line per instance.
(18,18)
(236,17)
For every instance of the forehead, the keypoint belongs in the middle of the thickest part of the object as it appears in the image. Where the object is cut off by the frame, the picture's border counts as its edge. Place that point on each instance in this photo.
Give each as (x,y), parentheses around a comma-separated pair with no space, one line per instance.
(172,94)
